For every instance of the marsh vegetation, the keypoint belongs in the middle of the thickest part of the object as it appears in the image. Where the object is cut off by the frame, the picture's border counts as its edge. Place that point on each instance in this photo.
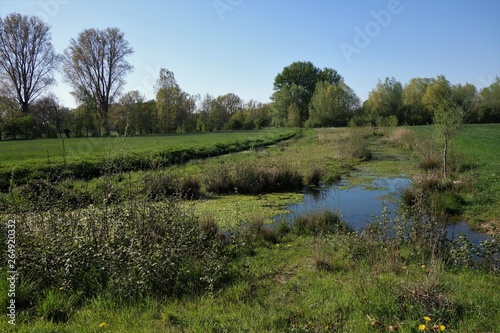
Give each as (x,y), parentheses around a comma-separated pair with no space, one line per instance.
(193,246)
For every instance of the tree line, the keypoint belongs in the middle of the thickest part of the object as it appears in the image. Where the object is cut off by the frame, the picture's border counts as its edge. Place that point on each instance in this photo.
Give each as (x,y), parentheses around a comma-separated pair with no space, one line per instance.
(95,65)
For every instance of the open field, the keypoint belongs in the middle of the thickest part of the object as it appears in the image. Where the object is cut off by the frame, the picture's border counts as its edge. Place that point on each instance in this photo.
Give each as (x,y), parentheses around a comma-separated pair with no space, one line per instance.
(133,262)
(478,146)
(20,152)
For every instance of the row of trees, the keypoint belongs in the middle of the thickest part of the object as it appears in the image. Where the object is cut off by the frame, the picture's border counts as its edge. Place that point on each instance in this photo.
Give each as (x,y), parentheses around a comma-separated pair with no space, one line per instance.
(95,65)
(415,102)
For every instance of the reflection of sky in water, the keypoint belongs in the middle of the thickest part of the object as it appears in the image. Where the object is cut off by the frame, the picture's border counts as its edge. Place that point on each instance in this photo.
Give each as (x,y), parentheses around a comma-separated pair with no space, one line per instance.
(358,205)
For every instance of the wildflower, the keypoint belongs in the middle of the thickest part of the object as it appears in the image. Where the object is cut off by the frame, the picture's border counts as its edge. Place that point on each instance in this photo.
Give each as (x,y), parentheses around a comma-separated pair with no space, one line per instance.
(102,325)
(427,319)
(61,289)
(421,327)
(277,245)
(442,328)
(423,266)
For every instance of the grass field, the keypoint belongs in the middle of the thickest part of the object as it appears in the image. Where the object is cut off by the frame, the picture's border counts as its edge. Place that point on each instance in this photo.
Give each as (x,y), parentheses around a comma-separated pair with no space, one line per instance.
(259,279)
(478,146)
(16,153)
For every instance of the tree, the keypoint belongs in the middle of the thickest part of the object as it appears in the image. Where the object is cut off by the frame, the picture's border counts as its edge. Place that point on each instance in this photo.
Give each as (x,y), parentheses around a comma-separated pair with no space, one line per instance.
(28,58)
(332,105)
(465,96)
(294,117)
(296,85)
(489,103)
(166,79)
(384,100)
(414,111)
(95,65)
(448,119)
(50,115)
(437,92)
(129,116)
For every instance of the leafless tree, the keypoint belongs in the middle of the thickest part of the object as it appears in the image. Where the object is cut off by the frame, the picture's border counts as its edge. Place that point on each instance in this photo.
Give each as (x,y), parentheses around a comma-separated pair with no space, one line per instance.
(95,65)
(28,58)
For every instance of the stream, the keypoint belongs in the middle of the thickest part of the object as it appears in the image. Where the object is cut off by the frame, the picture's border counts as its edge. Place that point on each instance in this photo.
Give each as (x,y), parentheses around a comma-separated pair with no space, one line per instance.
(359,205)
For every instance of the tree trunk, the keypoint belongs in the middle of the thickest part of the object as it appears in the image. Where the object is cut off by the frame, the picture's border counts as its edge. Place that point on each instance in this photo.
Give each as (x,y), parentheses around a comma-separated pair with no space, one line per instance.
(445,155)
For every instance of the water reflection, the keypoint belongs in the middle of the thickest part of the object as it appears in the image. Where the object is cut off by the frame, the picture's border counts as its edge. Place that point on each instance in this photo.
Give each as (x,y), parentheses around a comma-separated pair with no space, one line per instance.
(359,205)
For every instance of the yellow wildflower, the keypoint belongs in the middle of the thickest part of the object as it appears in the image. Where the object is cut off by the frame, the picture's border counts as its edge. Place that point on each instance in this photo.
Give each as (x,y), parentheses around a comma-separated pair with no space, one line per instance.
(421,327)
(423,266)
(102,325)
(427,319)
(442,327)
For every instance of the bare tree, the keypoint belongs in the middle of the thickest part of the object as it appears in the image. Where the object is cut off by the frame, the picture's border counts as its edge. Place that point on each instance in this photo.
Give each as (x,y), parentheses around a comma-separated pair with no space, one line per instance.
(95,65)
(27,56)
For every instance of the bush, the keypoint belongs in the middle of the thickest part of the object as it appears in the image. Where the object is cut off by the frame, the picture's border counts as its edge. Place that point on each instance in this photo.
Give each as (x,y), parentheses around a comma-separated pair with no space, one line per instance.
(149,249)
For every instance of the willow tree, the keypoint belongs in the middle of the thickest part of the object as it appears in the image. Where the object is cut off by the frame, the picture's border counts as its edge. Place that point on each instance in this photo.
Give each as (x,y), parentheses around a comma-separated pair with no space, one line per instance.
(95,65)
(27,58)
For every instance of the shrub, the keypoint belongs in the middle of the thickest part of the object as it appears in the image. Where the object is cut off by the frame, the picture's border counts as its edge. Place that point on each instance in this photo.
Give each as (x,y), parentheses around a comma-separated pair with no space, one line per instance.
(130,252)
(159,185)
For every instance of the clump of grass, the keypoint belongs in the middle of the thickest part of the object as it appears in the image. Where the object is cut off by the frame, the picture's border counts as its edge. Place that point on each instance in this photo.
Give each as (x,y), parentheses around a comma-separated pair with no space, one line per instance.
(315,175)
(56,306)
(355,146)
(189,187)
(252,178)
(402,137)
(322,223)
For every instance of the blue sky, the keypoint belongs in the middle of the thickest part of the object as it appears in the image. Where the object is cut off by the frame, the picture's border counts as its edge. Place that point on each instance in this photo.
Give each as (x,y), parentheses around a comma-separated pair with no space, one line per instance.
(238,46)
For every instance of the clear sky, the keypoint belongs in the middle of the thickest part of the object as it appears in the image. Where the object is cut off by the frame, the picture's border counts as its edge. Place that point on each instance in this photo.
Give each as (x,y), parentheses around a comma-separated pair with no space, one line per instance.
(238,46)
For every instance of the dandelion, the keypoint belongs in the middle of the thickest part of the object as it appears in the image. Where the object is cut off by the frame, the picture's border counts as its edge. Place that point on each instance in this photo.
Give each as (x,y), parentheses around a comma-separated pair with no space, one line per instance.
(442,328)
(427,319)
(102,325)
(423,266)
(421,327)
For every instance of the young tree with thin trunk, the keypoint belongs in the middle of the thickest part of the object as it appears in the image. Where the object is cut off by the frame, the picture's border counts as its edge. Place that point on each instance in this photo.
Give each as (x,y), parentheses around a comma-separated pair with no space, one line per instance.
(448,120)
(95,65)
(27,58)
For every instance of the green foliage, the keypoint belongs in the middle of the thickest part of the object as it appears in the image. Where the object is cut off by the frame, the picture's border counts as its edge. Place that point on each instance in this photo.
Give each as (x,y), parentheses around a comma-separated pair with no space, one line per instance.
(130,252)
(332,105)
(296,85)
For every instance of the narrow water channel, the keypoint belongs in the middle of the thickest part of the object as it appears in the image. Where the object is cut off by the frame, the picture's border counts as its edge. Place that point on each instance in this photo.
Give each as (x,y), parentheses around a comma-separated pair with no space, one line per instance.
(359,205)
